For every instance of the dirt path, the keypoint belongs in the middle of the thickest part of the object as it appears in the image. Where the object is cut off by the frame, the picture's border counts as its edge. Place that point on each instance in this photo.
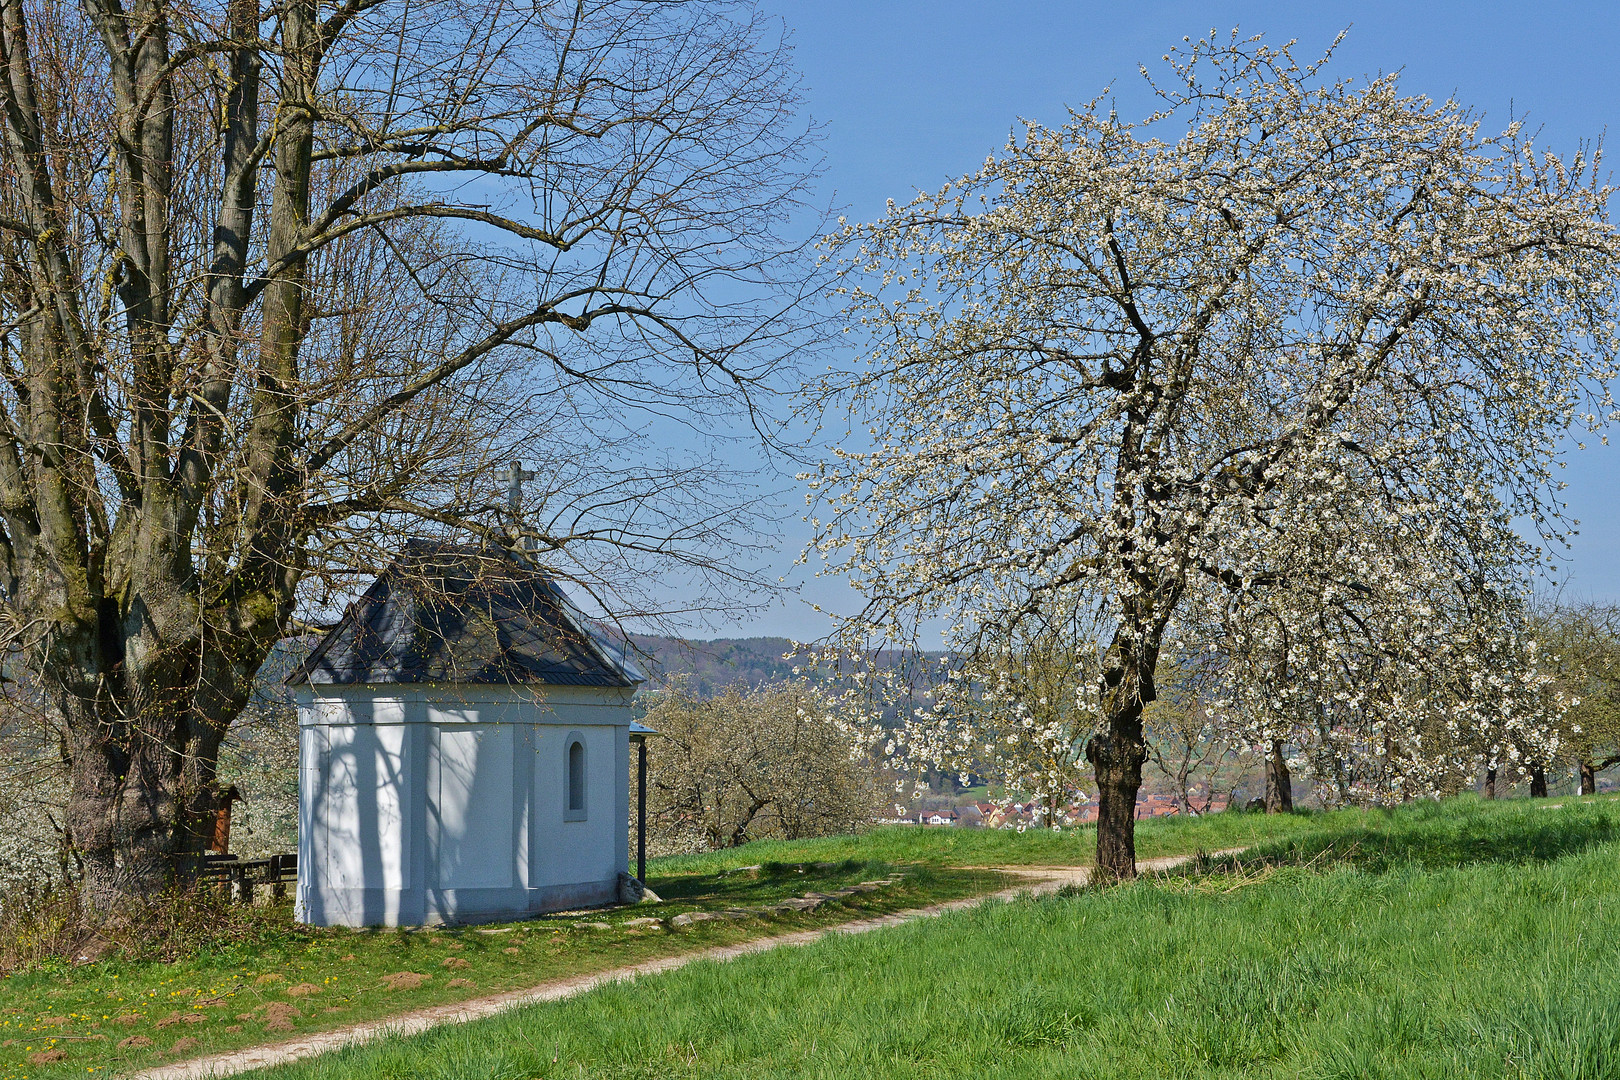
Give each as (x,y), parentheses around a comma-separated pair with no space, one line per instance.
(1040,880)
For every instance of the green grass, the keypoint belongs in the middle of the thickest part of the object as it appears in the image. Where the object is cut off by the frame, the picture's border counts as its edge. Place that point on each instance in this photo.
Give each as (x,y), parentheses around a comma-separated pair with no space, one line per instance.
(238,992)
(1457,940)
(1155,837)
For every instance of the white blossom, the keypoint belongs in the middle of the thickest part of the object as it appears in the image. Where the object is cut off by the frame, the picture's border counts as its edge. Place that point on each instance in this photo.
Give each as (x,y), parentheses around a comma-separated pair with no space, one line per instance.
(1272,372)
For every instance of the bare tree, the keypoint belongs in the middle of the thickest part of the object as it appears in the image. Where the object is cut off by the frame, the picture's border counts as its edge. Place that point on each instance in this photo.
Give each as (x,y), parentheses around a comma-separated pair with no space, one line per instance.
(284,281)
(1582,644)
(783,760)
(1194,746)
(1292,343)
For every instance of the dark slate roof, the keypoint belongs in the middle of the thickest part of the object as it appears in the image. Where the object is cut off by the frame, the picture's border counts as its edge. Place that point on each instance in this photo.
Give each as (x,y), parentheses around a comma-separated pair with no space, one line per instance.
(448,613)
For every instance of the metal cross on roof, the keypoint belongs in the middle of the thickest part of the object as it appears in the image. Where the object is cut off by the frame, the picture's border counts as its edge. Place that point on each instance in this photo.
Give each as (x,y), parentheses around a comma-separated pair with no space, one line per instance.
(515,475)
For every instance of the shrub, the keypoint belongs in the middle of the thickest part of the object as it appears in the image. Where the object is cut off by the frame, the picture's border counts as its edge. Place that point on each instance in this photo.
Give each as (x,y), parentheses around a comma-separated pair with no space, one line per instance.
(783,761)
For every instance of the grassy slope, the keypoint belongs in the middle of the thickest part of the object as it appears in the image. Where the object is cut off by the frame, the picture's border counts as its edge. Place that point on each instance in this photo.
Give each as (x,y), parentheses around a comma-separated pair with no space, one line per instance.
(1460,940)
(77,1010)
(234,991)
(1036,847)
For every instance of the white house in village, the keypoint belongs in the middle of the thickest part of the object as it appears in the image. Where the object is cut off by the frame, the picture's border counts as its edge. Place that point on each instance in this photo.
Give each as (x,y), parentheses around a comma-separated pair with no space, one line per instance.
(463,749)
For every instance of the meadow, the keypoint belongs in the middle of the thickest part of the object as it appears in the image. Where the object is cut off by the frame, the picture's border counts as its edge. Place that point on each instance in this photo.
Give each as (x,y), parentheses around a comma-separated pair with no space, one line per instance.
(256,977)
(1155,838)
(231,977)
(1457,939)
(1463,939)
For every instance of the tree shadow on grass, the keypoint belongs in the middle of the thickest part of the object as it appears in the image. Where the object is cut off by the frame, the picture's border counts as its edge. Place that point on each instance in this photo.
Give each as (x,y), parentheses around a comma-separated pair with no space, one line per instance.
(1438,840)
(768,882)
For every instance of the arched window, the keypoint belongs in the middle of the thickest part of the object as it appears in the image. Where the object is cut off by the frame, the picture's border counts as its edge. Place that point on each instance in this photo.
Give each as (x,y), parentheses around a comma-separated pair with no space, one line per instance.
(575,809)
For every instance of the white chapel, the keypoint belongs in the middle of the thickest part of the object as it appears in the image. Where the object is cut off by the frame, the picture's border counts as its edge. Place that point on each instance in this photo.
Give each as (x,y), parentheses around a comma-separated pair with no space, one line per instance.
(463,748)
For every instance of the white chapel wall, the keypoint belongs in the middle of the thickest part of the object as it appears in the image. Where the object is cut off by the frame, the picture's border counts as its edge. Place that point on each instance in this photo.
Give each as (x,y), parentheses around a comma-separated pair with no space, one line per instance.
(424,804)
(470,812)
(593,848)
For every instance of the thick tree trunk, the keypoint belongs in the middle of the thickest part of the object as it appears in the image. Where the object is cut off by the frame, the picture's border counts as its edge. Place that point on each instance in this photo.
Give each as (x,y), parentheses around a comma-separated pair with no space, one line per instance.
(141,800)
(1118,768)
(1490,782)
(1538,782)
(120,820)
(1588,771)
(1279,783)
(1117,755)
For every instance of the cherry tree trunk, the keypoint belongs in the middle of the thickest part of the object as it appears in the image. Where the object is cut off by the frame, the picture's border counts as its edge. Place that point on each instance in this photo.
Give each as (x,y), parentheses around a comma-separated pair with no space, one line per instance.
(1588,778)
(1117,754)
(1118,769)
(1538,782)
(1279,783)
(1490,782)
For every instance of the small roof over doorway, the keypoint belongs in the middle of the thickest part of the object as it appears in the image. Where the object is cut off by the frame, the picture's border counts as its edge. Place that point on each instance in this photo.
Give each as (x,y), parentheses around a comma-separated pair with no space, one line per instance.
(456,613)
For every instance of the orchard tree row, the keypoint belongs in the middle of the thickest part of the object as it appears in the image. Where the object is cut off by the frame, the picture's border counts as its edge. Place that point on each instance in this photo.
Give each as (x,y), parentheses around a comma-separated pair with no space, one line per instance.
(1014,718)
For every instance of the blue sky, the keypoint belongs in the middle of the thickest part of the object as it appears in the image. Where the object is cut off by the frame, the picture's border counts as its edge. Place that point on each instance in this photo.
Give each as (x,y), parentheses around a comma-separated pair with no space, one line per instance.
(911,93)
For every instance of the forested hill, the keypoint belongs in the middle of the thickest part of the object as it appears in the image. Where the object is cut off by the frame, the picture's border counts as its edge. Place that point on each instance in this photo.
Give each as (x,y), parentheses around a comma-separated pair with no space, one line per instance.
(714,665)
